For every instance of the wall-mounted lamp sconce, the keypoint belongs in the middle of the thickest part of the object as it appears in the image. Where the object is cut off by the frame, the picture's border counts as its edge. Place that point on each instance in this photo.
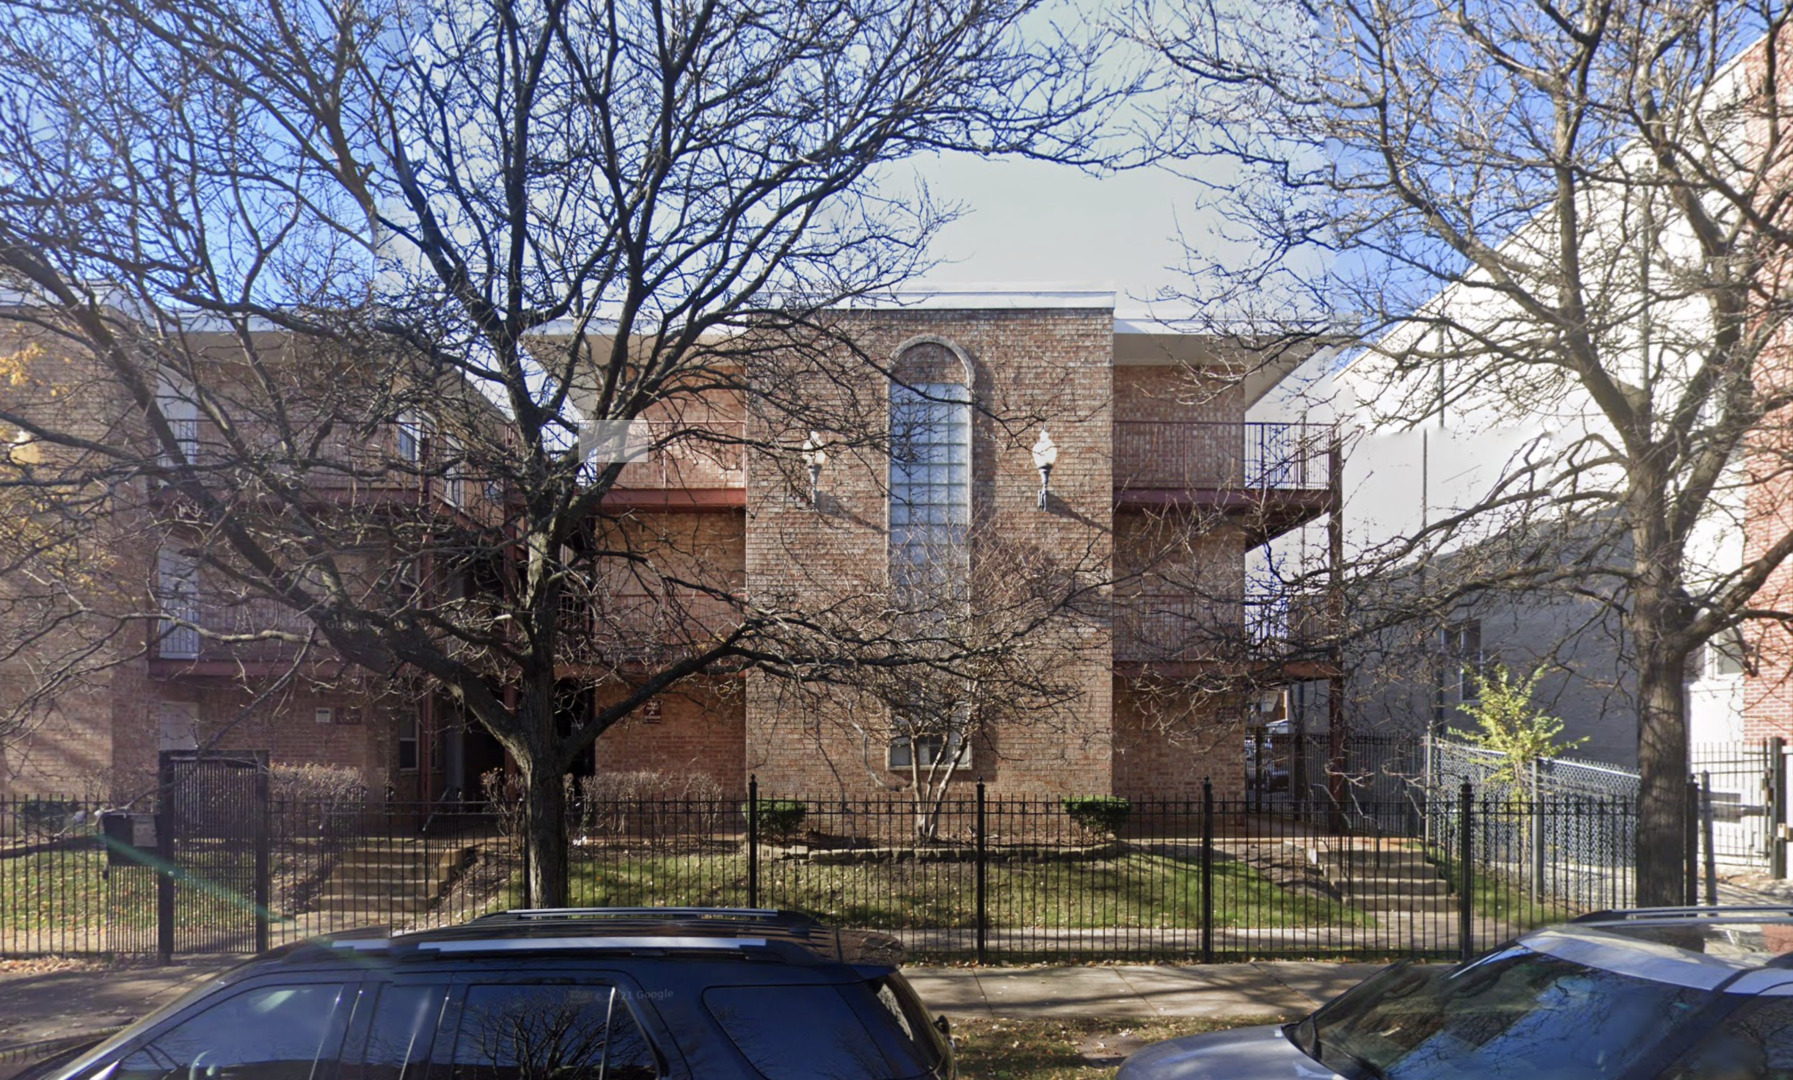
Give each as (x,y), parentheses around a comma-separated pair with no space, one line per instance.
(1045,455)
(814,457)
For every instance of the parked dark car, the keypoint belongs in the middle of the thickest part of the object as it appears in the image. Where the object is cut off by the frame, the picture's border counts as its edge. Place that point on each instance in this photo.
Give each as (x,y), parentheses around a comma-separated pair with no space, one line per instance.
(564,994)
(1663,994)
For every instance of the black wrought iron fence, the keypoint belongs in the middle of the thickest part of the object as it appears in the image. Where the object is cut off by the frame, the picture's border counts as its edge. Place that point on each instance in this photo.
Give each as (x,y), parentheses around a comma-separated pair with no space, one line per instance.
(983,877)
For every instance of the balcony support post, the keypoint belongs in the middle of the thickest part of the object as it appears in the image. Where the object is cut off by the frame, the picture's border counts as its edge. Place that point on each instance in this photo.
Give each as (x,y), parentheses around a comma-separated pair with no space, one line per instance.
(1337,747)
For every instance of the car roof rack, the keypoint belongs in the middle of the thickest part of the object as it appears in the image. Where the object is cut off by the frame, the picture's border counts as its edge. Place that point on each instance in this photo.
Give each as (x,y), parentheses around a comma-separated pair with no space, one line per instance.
(1724,912)
(759,917)
(792,936)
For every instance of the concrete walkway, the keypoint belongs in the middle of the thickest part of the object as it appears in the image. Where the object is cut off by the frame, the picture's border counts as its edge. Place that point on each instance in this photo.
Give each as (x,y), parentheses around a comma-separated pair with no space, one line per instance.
(1218,991)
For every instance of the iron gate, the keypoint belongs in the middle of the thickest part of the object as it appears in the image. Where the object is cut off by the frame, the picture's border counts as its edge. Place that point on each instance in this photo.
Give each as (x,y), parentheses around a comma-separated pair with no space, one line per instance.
(212,830)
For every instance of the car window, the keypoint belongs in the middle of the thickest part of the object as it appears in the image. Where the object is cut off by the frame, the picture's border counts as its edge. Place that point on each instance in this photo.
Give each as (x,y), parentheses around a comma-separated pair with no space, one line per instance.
(270,1033)
(1754,1043)
(909,1019)
(549,1032)
(398,1037)
(1516,1014)
(820,1032)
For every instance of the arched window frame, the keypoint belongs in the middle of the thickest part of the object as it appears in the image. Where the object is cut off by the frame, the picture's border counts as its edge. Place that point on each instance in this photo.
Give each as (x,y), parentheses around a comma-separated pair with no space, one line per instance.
(930,514)
(930,479)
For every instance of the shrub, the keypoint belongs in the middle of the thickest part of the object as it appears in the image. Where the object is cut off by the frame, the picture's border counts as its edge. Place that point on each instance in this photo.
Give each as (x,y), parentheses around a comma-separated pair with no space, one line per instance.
(41,818)
(335,794)
(335,786)
(1104,815)
(503,791)
(647,803)
(780,819)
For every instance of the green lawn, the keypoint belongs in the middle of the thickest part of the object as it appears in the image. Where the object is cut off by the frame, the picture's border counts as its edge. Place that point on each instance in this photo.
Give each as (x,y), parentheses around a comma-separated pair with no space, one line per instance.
(1500,896)
(1133,890)
(75,893)
(64,891)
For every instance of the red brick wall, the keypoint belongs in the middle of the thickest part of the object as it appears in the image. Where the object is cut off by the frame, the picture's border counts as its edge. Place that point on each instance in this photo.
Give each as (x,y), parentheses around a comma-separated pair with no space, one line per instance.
(229,718)
(1170,392)
(700,730)
(1768,684)
(1051,366)
(1168,740)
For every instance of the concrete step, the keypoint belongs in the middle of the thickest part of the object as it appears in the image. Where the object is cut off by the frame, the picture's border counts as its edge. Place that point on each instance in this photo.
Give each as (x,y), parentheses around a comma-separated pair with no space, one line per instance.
(385,858)
(385,880)
(1416,889)
(1378,873)
(437,862)
(395,905)
(374,890)
(1399,904)
(393,874)
(1394,857)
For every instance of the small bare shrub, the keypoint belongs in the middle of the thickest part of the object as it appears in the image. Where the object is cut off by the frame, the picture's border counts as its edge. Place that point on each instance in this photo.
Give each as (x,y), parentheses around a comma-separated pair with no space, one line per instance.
(646,803)
(334,793)
(333,785)
(503,791)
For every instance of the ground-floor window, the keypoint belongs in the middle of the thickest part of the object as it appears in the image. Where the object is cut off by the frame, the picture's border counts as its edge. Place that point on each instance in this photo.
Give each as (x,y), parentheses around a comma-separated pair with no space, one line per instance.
(407,742)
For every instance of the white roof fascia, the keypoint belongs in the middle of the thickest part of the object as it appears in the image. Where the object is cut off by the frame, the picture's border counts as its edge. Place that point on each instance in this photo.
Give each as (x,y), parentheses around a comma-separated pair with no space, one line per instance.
(1042,297)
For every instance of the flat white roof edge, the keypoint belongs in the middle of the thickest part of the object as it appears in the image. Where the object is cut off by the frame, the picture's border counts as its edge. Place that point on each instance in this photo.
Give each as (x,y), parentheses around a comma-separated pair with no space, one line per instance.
(981,298)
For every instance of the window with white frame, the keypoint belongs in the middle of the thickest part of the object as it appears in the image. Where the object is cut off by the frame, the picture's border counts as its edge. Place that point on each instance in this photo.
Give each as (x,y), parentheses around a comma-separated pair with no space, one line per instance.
(177,406)
(929,729)
(177,597)
(1722,656)
(933,750)
(408,437)
(454,472)
(1463,652)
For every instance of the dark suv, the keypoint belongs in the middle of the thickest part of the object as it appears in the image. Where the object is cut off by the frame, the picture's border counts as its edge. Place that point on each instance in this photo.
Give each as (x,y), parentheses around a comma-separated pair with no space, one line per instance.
(564,994)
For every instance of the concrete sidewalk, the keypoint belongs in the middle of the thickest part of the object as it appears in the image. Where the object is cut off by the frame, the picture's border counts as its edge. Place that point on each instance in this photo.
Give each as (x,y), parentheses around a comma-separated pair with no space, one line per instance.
(39,1007)
(1216,991)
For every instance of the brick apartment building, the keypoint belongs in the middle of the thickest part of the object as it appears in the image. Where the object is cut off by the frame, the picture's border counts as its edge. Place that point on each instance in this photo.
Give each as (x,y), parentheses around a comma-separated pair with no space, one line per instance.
(153,651)
(1159,491)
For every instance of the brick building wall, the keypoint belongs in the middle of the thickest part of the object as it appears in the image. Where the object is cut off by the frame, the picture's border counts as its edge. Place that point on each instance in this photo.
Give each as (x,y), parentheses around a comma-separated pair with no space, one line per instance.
(1169,739)
(1768,516)
(1051,366)
(699,730)
(1768,679)
(1028,367)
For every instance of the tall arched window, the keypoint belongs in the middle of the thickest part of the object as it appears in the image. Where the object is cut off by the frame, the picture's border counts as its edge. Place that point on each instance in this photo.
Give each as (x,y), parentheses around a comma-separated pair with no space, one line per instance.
(930,476)
(930,539)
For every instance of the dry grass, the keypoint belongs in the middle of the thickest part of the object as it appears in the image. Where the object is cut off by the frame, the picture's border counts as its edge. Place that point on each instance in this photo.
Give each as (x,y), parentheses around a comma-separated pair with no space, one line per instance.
(1066,1049)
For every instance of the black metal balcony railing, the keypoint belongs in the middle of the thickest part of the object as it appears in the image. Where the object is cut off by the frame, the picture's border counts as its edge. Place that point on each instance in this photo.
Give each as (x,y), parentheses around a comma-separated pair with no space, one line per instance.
(202,630)
(1212,455)
(1189,627)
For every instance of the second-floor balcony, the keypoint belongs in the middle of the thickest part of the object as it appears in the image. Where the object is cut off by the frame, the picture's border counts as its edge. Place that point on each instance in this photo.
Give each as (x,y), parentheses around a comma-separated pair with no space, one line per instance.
(1283,473)
(1251,631)
(201,632)
(683,466)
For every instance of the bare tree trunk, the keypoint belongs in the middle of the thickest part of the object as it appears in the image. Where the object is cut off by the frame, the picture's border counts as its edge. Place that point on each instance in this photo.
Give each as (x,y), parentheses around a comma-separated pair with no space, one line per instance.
(544,834)
(1662,761)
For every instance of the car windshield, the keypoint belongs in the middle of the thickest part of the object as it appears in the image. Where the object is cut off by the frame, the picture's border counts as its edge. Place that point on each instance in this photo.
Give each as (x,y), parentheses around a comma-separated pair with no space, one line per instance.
(1515,1013)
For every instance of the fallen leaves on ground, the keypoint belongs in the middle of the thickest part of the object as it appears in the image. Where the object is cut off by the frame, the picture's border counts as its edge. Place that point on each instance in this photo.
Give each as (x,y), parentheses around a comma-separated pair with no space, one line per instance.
(1080,1049)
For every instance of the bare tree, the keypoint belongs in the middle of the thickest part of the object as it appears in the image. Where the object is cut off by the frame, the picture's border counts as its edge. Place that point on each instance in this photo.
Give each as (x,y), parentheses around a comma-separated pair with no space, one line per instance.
(1570,214)
(494,253)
